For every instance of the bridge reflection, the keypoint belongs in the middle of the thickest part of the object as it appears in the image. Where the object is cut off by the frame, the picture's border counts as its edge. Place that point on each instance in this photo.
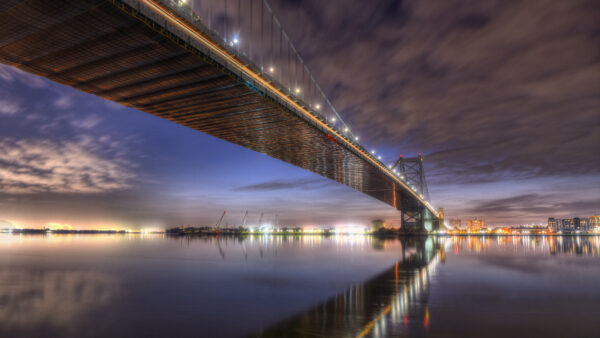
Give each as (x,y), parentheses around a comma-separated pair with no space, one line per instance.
(387,301)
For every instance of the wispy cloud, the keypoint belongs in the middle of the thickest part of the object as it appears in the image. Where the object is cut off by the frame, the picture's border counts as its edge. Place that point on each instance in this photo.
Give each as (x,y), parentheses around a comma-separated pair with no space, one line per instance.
(13,75)
(33,166)
(88,122)
(9,107)
(64,101)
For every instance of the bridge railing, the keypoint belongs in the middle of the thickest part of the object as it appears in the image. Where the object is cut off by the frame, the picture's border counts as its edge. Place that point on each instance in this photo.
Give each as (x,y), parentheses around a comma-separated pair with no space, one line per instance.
(250,30)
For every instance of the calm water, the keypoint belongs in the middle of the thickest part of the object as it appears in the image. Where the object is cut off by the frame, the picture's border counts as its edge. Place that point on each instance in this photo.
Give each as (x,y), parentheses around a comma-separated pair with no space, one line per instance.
(156,286)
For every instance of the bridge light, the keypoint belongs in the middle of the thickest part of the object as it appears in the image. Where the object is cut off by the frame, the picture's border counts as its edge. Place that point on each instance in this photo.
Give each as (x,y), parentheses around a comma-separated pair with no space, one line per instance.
(297,90)
(317,106)
(390,166)
(333,119)
(379,157)
(373,152)
(271,69)
(346,130)
(356,138)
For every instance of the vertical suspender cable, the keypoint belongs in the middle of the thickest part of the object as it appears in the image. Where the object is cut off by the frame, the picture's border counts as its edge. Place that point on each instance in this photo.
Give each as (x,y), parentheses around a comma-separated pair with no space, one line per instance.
(262,46)
(250,39)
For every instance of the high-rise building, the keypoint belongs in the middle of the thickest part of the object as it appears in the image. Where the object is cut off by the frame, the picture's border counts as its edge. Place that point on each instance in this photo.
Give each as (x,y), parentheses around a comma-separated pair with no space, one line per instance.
(455,223)
(595,220)
(553,224)
(475,224)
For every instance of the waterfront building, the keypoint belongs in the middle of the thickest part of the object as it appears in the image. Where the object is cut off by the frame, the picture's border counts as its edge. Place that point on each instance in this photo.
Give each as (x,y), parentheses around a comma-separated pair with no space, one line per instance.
(553,224)
(571,224)
(585,224)
(475,224)
(377,224)
(455,223)
(595,220)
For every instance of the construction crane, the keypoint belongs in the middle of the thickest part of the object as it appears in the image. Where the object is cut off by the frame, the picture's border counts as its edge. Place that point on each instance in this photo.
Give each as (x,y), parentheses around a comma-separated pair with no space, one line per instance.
(218,225)
(243,224)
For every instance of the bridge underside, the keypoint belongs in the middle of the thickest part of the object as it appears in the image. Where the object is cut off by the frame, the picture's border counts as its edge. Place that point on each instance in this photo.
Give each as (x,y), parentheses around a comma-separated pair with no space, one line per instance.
(102,49)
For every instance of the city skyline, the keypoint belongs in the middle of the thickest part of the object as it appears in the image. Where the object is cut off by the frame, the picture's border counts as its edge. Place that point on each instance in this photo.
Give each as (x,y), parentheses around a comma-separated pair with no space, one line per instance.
(509,160)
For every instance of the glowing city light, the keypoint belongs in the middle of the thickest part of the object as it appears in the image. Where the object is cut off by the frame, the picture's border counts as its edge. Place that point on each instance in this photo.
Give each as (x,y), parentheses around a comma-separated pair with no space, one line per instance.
(333,119)
(271,69)
(318,106)
(297,90)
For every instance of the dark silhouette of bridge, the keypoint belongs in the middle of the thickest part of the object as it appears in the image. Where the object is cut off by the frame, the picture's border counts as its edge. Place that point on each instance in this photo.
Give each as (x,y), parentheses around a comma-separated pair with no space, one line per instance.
(239,80)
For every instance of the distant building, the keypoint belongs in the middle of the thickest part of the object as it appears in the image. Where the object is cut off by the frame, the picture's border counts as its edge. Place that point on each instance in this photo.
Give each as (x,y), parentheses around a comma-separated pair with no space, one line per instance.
(571,224)
(377,224)
(552,224)
(455,223)
(475,224)
(595,220)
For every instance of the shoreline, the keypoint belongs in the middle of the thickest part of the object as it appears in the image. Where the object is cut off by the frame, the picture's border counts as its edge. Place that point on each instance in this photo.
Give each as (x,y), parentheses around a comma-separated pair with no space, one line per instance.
(247,234)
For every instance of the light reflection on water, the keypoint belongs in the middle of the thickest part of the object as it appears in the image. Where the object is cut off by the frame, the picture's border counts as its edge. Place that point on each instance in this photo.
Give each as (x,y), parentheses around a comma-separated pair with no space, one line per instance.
(275,286)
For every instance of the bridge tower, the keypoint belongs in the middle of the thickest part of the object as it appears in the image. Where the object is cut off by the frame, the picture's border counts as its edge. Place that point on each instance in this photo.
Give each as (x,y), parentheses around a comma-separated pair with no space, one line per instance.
(416,218)
(412,170)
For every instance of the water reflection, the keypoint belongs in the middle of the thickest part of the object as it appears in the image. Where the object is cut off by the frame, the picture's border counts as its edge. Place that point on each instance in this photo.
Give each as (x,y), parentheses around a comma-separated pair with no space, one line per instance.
(367,309)
(555,245)
(395,302)
(278,286)
(56,298)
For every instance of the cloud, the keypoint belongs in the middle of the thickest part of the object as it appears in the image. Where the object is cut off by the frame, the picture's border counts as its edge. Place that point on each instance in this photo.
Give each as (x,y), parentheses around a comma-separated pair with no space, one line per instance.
(34,166)
(88,122)
(64,101)
(9,107)
(10,74)
(533,206)
(306,184)
(486,91)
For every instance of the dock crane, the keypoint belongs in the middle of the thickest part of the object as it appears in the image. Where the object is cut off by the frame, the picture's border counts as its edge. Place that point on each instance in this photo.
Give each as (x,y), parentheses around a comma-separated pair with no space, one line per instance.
(218,225)
(243,225)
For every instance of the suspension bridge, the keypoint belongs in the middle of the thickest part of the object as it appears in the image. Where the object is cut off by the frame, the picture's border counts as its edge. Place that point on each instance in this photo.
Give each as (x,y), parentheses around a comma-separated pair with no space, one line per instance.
(225,68)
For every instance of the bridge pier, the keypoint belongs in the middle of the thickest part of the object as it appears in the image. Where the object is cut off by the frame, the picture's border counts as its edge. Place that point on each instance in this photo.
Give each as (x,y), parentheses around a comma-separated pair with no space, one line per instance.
(418,220)
(412,220)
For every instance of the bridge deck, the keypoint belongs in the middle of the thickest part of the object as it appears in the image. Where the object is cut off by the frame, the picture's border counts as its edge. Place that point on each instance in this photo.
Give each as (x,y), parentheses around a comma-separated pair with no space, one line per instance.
(99,48)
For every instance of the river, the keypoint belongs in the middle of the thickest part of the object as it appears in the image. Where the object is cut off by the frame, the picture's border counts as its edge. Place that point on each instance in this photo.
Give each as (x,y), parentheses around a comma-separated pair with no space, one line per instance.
(137,285)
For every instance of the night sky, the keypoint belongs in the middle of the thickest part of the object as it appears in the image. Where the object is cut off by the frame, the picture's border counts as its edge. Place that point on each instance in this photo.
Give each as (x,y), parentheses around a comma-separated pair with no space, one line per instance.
(501,97)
